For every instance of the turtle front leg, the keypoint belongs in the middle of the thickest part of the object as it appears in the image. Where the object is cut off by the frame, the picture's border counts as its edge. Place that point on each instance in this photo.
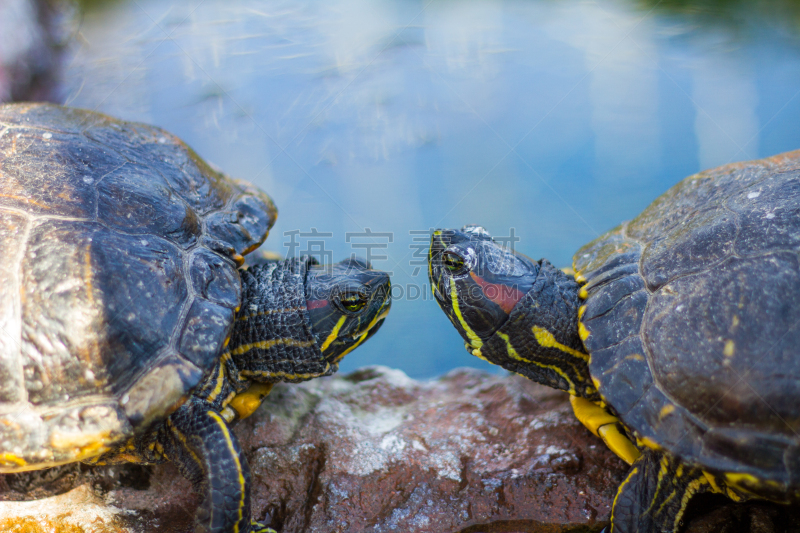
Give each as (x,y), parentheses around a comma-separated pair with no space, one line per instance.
(207,453)
(654,496)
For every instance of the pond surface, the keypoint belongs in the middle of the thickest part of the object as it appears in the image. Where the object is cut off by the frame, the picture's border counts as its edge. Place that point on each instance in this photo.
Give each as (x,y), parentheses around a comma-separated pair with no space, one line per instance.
(372,121)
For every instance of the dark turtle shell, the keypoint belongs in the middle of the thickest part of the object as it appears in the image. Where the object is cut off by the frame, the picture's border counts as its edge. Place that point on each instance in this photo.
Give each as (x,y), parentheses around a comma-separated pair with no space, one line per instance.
(118,284)
(692,320)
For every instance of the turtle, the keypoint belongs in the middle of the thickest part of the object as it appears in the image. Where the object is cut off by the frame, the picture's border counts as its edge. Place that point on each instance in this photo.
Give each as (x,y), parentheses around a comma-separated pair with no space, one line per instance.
(676,335)
(131,332)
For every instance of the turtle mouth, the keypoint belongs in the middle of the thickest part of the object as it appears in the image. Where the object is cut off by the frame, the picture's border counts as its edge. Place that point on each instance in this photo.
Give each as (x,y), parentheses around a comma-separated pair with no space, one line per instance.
(350,342)
(440,240)
(476,281)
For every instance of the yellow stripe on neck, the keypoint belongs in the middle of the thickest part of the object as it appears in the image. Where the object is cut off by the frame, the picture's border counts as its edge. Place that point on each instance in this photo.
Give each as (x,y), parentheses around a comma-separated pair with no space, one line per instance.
(218,383)
(474,340)
(285,310)
(548,340)
(283,375)
(334,333)
(363,336)
(266,345)
(512,352)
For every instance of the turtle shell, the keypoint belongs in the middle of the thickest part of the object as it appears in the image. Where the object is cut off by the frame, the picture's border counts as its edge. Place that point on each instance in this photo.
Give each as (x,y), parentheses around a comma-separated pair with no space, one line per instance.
(119,282)
(692,320)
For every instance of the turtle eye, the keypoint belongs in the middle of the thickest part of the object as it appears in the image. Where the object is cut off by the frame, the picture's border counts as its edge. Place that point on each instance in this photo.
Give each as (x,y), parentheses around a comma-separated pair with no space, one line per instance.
(352,302)
(452,261)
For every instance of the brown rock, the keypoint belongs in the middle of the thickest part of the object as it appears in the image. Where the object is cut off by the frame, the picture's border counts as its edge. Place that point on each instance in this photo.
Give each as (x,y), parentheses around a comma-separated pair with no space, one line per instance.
(375,451)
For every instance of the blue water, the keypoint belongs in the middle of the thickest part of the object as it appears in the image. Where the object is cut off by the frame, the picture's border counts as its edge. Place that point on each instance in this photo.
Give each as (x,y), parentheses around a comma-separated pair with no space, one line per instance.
(549,121)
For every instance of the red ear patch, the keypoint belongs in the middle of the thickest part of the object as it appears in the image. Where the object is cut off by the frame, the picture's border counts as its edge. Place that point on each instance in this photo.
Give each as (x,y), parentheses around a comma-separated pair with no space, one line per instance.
(316,304)
(503,295)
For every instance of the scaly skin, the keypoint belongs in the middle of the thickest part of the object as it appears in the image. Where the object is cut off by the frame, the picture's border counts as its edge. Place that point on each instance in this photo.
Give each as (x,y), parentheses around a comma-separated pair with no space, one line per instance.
(524,316)
(283,332)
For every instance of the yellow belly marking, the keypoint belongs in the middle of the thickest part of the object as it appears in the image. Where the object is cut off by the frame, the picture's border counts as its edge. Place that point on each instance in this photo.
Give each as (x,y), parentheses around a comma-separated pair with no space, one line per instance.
(9,459)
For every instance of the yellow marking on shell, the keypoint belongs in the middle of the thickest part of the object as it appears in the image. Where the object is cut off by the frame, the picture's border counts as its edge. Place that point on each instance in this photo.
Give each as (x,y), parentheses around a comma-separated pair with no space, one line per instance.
(548,340)
(124,457)
(514,355)
(733,495)
(712,482)
(39,465)
(270,312)
(583,293)
(583,333)
(334,333)
(474,340)
(690,491)
(220,381)
(735,322)
(665,411)
(266,345)
(618,443)
(736,479)
(581,311)
(580,278)
(632,473)
(648,443)
(729,348)
(81,445)
(9,459)
(596,383)
(382,315)
(247,402)
(229,441)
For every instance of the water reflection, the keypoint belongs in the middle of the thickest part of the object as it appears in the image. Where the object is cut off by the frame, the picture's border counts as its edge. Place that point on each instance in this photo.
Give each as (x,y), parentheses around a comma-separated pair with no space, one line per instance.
(556,119)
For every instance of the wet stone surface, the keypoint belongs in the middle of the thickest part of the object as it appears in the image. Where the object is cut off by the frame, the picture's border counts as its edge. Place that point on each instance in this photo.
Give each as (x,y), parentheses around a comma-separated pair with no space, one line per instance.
(375,451)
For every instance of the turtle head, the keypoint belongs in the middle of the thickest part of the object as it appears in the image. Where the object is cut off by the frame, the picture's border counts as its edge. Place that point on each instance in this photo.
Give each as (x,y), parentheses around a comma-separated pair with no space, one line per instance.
(299,318)
(347,303)
(511,311)
(476,281)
